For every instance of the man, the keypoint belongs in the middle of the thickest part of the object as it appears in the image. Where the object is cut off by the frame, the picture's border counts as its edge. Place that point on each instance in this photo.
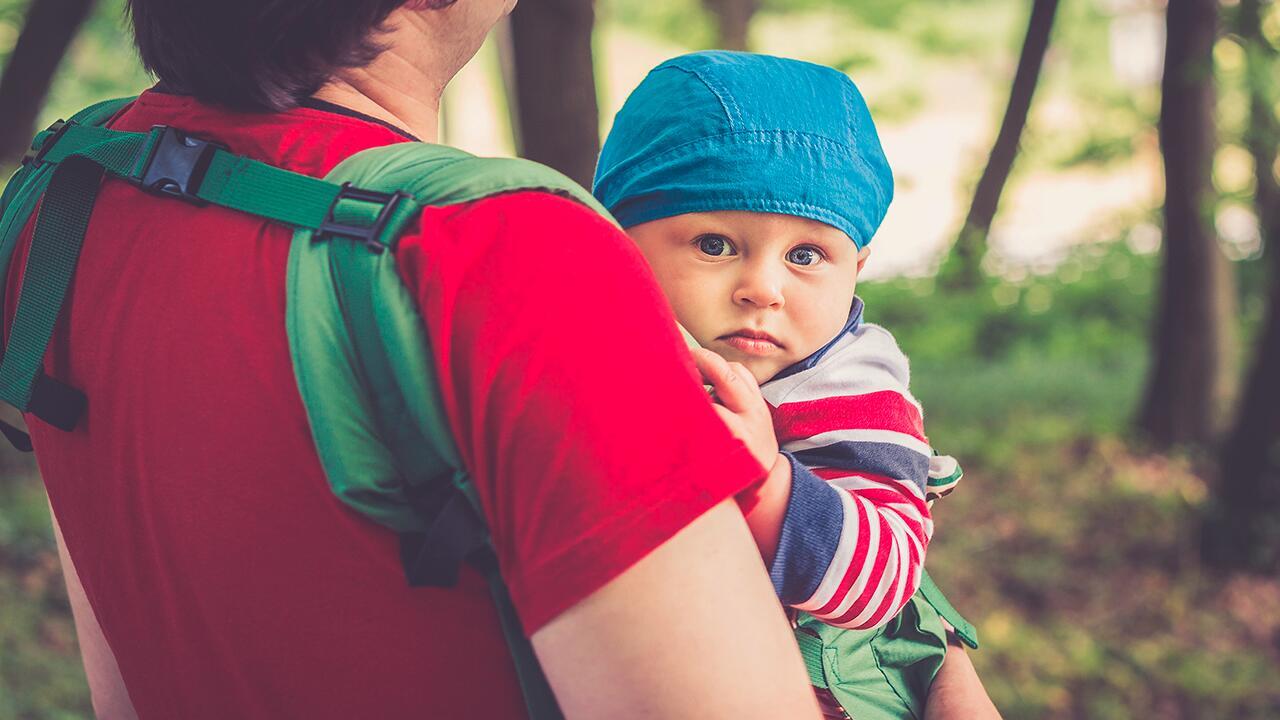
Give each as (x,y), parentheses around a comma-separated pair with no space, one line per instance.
(212,572)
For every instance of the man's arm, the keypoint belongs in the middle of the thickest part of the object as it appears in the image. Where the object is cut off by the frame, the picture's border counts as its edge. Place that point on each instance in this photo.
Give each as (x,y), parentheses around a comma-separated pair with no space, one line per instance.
(106,687)
(659,641)
(957,692)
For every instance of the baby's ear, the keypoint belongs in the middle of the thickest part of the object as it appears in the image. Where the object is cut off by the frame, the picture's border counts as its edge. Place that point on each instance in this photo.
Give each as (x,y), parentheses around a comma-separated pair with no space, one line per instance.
(863,254)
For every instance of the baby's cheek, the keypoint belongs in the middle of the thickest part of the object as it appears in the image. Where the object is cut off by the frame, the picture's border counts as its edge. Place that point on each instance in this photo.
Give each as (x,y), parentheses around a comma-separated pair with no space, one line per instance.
(764,370)
(691,307)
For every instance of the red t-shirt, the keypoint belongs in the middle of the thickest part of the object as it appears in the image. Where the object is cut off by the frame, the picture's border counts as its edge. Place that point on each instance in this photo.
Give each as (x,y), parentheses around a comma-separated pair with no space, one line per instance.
(227,578)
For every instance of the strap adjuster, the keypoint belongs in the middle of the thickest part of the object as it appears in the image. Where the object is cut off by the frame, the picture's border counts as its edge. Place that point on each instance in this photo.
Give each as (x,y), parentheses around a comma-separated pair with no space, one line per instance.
(35,155)
(177,164)
(368,234)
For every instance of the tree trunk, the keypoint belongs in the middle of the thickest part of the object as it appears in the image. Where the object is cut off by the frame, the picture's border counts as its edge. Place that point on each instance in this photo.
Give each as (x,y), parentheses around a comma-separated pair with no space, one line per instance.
(1187,385)
(48,31)
(733,20)
(971,244)
(555,86)
(1242,528)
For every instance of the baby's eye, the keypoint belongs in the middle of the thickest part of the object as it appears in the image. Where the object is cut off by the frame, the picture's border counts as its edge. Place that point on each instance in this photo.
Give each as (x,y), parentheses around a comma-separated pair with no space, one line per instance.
(804,255)
(715,245)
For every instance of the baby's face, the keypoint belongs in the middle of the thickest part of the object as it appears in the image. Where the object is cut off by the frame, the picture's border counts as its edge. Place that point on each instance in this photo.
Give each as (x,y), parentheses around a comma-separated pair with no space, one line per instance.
(761,289)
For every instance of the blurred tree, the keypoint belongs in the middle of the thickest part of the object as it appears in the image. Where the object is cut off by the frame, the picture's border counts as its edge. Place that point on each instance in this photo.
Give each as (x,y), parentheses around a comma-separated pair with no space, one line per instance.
(965,270)
(1242,530)
(1190,350)
(733,19)
(555,85)
(48,30)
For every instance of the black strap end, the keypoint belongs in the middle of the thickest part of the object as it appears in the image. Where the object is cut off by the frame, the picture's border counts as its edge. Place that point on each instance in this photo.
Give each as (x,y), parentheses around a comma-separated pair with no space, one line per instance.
(455,535)
(17,438)
(57,403)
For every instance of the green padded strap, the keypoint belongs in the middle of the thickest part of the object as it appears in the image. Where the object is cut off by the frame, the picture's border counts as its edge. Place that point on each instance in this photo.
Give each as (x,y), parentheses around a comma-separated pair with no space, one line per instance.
(55,249)
(358,342)
(932,595)
(364,366)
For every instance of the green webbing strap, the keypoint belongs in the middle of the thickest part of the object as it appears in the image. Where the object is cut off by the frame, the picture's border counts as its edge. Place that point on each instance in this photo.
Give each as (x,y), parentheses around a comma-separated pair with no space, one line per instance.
(539,700)
(162,160)
(932,595)
(18,202)
(231,181)
(55,248)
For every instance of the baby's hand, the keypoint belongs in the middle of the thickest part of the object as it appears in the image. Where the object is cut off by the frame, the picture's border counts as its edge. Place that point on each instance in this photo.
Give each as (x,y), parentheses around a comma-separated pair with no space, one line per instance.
(740,404)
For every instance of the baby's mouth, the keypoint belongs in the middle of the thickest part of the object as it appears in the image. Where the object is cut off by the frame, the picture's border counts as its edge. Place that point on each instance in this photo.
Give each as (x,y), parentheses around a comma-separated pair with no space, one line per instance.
(752,342)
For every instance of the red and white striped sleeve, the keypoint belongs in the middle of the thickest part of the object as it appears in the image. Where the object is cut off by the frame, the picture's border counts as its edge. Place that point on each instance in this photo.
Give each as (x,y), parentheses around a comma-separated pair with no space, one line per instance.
(857,526)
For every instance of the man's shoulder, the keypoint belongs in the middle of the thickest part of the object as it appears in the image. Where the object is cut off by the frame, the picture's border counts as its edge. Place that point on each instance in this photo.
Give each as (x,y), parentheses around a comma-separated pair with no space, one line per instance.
(525,206)
(522,241)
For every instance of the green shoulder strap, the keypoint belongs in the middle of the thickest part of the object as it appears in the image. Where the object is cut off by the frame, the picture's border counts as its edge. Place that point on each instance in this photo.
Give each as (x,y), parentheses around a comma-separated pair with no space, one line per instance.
(364,369)
(19,200)
(352,325)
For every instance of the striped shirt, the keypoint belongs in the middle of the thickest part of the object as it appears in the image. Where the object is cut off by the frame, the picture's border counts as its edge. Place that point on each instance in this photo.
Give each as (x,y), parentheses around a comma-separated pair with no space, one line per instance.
(853,540)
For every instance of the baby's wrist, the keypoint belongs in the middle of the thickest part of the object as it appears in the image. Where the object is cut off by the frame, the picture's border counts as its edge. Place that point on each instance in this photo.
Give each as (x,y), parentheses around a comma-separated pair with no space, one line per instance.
(766,518)
(775,492)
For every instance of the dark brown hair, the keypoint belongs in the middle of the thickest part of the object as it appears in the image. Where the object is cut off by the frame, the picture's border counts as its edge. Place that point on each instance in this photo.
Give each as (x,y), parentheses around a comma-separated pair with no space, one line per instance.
(257,55)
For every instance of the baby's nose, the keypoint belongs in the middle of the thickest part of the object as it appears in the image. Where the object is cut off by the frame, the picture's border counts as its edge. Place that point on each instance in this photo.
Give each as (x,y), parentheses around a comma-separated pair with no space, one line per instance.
(761,289)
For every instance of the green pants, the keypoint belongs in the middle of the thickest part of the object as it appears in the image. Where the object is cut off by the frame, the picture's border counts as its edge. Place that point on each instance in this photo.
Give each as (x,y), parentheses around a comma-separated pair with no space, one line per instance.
(881,674)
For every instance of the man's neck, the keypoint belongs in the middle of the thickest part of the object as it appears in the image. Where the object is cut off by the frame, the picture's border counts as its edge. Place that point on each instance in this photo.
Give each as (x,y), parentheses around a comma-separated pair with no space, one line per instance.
(388,97)
(402,86)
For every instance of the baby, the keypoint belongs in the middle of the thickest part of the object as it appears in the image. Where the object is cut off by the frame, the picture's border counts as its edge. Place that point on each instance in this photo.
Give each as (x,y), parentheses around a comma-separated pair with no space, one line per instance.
(753,185)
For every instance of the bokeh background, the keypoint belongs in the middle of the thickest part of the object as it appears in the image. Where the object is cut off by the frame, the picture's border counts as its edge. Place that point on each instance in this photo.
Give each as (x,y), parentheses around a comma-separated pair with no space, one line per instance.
(1081,262)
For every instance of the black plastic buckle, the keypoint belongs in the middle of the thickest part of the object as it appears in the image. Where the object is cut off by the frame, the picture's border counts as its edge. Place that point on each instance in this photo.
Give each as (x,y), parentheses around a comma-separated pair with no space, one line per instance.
(368,235)
(177,164)
(36,155)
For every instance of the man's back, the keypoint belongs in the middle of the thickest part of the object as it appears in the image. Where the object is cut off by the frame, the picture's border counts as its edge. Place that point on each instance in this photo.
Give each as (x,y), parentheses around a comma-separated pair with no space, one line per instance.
(228,580)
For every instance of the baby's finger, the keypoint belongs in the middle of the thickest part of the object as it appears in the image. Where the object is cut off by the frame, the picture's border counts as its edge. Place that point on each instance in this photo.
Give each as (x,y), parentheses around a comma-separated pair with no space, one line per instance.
(731,388)
(715,371)
(731,421)
(745,374)
(743,395)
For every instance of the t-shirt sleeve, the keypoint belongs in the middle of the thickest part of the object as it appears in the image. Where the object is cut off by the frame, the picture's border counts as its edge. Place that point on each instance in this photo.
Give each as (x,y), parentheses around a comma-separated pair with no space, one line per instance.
(573,399)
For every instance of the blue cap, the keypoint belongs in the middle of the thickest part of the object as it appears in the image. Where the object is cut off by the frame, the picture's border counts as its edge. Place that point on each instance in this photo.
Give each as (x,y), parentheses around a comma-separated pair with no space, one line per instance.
(738,131)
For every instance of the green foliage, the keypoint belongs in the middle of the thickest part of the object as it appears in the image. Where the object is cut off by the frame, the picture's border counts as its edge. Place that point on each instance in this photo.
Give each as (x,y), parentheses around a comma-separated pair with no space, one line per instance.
(101,64)
(1037,359)
(684,22)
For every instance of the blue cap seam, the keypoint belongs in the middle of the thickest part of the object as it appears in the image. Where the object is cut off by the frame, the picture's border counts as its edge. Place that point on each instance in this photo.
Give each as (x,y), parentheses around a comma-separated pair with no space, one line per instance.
(730,114)
(798,137)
